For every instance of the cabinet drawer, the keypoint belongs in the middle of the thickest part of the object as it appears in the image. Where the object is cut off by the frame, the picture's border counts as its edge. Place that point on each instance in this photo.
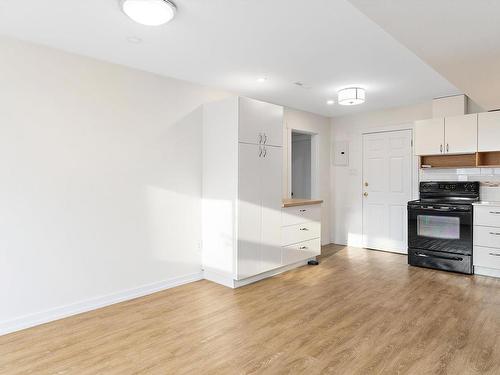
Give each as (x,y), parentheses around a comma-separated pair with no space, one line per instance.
(301,251)
(301,214)
(487,236)
(486,257)
(487,215)
(293,234)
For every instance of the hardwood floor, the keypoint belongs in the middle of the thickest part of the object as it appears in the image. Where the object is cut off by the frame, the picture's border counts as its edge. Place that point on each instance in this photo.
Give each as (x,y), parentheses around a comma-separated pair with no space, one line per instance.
(358,312)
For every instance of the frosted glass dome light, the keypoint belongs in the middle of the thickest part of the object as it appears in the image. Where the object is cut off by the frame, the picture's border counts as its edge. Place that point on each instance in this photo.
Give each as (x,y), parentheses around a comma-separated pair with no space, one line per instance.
(149,12)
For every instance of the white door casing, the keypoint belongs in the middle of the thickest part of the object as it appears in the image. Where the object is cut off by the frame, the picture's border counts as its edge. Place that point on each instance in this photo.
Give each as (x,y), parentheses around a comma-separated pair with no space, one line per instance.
(387,181)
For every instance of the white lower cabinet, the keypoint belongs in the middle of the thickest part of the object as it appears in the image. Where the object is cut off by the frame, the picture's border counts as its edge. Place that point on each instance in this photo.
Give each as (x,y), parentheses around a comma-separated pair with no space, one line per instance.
(302,250)
(486,256)
(301,232)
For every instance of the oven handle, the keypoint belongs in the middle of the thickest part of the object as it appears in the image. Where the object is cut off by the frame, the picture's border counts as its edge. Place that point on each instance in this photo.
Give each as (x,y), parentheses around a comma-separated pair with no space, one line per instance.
(443,209)
(439,209)
(422,255)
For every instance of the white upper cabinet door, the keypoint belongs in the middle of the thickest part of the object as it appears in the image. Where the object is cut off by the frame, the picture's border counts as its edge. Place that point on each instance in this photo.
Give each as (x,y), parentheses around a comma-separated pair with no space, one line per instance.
(271,194)
(489,131)
(249,211)
(460,134)
(260,122)
(429,137)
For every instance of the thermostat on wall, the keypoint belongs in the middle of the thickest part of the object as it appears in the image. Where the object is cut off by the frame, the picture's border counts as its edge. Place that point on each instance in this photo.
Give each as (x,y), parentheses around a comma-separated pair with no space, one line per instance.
(341,153)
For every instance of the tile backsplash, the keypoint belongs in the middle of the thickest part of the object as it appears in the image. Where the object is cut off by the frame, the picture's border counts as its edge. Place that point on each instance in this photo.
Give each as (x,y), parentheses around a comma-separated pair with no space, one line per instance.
(489,178)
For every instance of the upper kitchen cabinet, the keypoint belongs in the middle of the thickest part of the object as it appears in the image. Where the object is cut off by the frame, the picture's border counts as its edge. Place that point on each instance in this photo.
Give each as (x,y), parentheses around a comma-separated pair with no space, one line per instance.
(260,122)
(429,137)
(450,135)
(489,131)
(460,134)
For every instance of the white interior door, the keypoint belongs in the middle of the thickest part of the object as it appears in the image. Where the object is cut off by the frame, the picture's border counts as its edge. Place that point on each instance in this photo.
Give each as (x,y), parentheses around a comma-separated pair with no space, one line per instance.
(387,166)
(271,196)
(249,211)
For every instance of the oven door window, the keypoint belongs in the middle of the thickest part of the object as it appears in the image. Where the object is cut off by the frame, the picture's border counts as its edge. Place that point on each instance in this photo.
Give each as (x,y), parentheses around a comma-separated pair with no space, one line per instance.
(439,227)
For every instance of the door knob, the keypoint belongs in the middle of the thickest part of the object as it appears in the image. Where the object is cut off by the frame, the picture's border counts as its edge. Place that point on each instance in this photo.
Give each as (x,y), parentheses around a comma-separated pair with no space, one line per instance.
(365,194)
(366,183)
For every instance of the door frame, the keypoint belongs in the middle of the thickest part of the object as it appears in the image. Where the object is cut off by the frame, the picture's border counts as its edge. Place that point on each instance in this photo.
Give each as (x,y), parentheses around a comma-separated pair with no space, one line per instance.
(314,161)
(414,175)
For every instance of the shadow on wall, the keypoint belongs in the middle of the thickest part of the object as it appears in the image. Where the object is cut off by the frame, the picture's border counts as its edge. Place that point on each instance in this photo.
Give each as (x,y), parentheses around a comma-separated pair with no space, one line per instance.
(174,190)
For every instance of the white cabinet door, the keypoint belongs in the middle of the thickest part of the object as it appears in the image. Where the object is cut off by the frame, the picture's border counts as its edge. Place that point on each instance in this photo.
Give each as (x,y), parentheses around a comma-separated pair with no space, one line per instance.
(271,194)
(489,131)
(460,134)
(429,137)
(249,211)
(260,122)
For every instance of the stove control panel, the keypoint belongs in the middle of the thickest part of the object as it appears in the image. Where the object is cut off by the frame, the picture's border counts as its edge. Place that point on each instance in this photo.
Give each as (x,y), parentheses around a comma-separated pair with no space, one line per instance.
(449,188)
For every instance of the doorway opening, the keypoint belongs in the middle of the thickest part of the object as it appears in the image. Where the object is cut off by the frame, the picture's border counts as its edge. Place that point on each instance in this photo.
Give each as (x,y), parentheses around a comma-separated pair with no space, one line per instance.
(303,165)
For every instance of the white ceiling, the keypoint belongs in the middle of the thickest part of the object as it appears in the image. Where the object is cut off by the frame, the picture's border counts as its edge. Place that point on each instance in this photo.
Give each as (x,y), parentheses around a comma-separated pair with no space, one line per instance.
(458,38)
(328,44)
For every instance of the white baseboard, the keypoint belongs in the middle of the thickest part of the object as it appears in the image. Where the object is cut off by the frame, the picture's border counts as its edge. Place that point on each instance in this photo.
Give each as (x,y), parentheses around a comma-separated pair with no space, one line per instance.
(42,317)
(483,271)
(218,277)
(228,280)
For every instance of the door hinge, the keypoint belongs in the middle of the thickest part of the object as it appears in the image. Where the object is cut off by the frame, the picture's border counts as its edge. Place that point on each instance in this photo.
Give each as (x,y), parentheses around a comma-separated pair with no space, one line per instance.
(411,142)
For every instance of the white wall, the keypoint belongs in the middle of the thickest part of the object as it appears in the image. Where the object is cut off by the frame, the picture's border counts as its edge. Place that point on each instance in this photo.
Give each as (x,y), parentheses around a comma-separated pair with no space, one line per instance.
(100,185)
(346,183)
(311,123)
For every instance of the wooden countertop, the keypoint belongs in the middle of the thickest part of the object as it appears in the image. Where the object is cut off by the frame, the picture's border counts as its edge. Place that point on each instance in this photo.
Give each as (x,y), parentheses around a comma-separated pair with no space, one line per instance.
(287,202)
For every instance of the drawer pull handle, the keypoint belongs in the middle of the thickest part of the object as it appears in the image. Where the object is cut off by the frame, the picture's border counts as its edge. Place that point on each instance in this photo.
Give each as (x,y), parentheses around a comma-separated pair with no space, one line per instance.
(495,254)
(495,234)
(495,212)
(304,229)
(305,247)
(302,210)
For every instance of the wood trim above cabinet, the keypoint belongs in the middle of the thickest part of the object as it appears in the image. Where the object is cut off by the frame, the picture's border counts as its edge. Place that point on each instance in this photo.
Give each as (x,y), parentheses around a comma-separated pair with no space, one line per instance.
(476,160)
(488,159)
(448,161)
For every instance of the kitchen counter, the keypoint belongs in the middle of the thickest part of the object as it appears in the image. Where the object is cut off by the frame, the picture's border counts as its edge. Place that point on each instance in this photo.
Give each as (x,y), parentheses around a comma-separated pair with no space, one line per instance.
(486,203)
(300,202)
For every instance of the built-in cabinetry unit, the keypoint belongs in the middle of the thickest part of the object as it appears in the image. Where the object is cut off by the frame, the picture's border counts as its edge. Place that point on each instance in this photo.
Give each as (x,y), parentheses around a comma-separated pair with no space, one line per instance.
(486,256)
(242,238)
(465,141)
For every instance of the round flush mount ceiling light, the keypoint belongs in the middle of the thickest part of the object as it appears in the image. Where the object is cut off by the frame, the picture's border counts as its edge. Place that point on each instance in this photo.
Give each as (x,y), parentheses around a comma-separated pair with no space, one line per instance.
(149,12)
(262,79)
(351,96)
(330,102)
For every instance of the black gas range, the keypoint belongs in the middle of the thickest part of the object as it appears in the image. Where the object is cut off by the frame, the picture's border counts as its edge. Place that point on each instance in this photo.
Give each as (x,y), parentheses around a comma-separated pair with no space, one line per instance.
(440,226)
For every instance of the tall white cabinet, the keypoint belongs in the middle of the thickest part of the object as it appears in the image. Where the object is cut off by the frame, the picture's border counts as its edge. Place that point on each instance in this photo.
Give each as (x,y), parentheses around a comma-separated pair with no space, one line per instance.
(242,189)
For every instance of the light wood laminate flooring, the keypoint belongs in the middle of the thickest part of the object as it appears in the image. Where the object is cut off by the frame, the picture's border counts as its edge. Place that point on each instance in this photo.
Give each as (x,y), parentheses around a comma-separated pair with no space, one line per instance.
(358,312)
